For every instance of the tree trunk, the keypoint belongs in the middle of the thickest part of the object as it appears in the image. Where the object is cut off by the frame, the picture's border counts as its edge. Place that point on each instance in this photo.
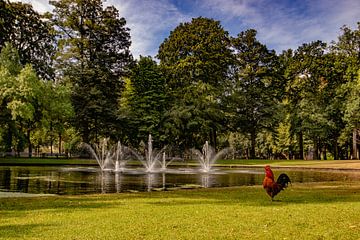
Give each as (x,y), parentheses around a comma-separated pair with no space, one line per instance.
(336,150)
(253,143)
(29,142)
(301,146)
(316,149)
(51,138)
(324,153)
(354,145)
(9,138)
(60,139)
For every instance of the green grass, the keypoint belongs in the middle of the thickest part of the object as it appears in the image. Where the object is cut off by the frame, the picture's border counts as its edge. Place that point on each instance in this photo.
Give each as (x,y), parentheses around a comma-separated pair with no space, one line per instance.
(303,211)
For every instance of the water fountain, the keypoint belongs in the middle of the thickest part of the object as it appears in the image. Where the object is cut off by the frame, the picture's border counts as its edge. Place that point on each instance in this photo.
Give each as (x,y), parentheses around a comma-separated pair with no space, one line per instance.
(114,158)
(152,157)
(207,157)
(121,155)
(102,153)
(110,158)
(165,163)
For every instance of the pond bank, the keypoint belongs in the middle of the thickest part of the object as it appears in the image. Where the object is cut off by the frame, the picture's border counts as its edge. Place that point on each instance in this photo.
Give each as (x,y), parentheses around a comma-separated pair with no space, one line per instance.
(19,194)
(336,165)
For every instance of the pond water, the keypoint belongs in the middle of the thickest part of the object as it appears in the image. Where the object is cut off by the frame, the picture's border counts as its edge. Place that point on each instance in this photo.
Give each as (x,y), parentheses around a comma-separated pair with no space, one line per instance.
(65,180)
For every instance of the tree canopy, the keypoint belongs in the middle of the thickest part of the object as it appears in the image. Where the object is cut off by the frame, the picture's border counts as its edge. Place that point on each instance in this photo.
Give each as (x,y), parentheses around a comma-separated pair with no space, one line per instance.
(68,77)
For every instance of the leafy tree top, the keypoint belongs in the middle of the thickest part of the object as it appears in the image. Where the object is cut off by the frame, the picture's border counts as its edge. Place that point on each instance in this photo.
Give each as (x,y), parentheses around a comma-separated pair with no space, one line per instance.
(30,33)
(196,51)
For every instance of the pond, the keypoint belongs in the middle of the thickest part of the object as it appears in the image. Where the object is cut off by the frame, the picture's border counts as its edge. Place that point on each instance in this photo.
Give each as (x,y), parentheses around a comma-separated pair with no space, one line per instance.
(70,180)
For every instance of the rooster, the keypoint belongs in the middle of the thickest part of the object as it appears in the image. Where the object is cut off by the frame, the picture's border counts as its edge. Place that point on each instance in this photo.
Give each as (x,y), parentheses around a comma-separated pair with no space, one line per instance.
(273,188)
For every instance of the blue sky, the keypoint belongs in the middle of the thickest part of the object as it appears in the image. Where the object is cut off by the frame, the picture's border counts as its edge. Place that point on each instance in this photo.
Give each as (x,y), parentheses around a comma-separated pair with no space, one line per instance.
(281,24)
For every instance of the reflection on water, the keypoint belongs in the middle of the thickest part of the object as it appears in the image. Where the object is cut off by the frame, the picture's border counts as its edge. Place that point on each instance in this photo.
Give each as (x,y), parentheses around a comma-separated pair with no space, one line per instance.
(66,180)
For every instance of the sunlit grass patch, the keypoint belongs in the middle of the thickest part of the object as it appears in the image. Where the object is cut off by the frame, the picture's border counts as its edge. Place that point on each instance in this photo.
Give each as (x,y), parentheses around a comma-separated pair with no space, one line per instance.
(303,211)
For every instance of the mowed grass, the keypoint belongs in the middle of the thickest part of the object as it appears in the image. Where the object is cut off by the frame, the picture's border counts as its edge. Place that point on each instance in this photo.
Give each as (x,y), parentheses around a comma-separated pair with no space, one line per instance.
(329,210)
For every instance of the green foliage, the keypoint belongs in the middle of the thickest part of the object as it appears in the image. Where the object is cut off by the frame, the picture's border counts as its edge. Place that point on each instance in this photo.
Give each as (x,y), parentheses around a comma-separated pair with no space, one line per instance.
(30,33)
(348,65)
(143,101)
(58,111)
(195,59)
(21,95)
(310,94)
(253,95)
(10,60)
(94,55)
(196,51)
(352,110)
(208,86)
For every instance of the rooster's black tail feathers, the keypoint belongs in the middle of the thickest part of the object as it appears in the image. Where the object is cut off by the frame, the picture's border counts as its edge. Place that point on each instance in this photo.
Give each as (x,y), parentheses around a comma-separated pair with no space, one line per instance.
(283,180)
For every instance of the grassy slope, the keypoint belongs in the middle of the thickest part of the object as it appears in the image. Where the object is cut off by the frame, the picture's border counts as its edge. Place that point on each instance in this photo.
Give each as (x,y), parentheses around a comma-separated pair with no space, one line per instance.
(305,211)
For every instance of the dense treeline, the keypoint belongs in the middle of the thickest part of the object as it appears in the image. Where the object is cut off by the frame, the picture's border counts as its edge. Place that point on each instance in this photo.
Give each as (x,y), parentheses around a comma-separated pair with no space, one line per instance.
(68,77)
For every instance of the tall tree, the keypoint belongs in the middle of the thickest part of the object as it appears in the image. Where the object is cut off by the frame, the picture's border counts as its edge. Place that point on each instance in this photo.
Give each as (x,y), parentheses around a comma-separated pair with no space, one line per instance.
(309,92)
(30,33)
(10,67)
(94,54)
(255,92)
(196,58)
(144,101)
(347,65)
(20,93)
(58,111)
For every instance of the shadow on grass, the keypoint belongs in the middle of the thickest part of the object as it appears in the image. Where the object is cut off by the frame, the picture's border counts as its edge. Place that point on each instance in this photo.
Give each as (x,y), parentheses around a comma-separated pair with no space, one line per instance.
(55,203)
(19,231)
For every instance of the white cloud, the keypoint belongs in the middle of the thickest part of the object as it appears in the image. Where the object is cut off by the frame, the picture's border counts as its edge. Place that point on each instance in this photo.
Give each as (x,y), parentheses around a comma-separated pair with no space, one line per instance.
(280,24)
(232,8)
(287,24)
(149,22)
(39,5)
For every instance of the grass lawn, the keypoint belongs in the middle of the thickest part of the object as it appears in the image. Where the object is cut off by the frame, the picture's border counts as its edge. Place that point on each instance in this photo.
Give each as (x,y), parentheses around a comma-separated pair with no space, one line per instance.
(328,210)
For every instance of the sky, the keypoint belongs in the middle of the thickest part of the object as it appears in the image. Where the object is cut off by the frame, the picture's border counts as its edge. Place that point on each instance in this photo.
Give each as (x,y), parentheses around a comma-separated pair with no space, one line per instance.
(281,24)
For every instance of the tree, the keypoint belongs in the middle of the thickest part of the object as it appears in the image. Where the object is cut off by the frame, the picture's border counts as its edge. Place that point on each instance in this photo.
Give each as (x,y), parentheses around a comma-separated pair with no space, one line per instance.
(254,94)
(311,94)
(144,101)
(195,59)
(58,111)
(94,54)
(351,113)
(10,67)
(347,62)
(21,93)
(30,33)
